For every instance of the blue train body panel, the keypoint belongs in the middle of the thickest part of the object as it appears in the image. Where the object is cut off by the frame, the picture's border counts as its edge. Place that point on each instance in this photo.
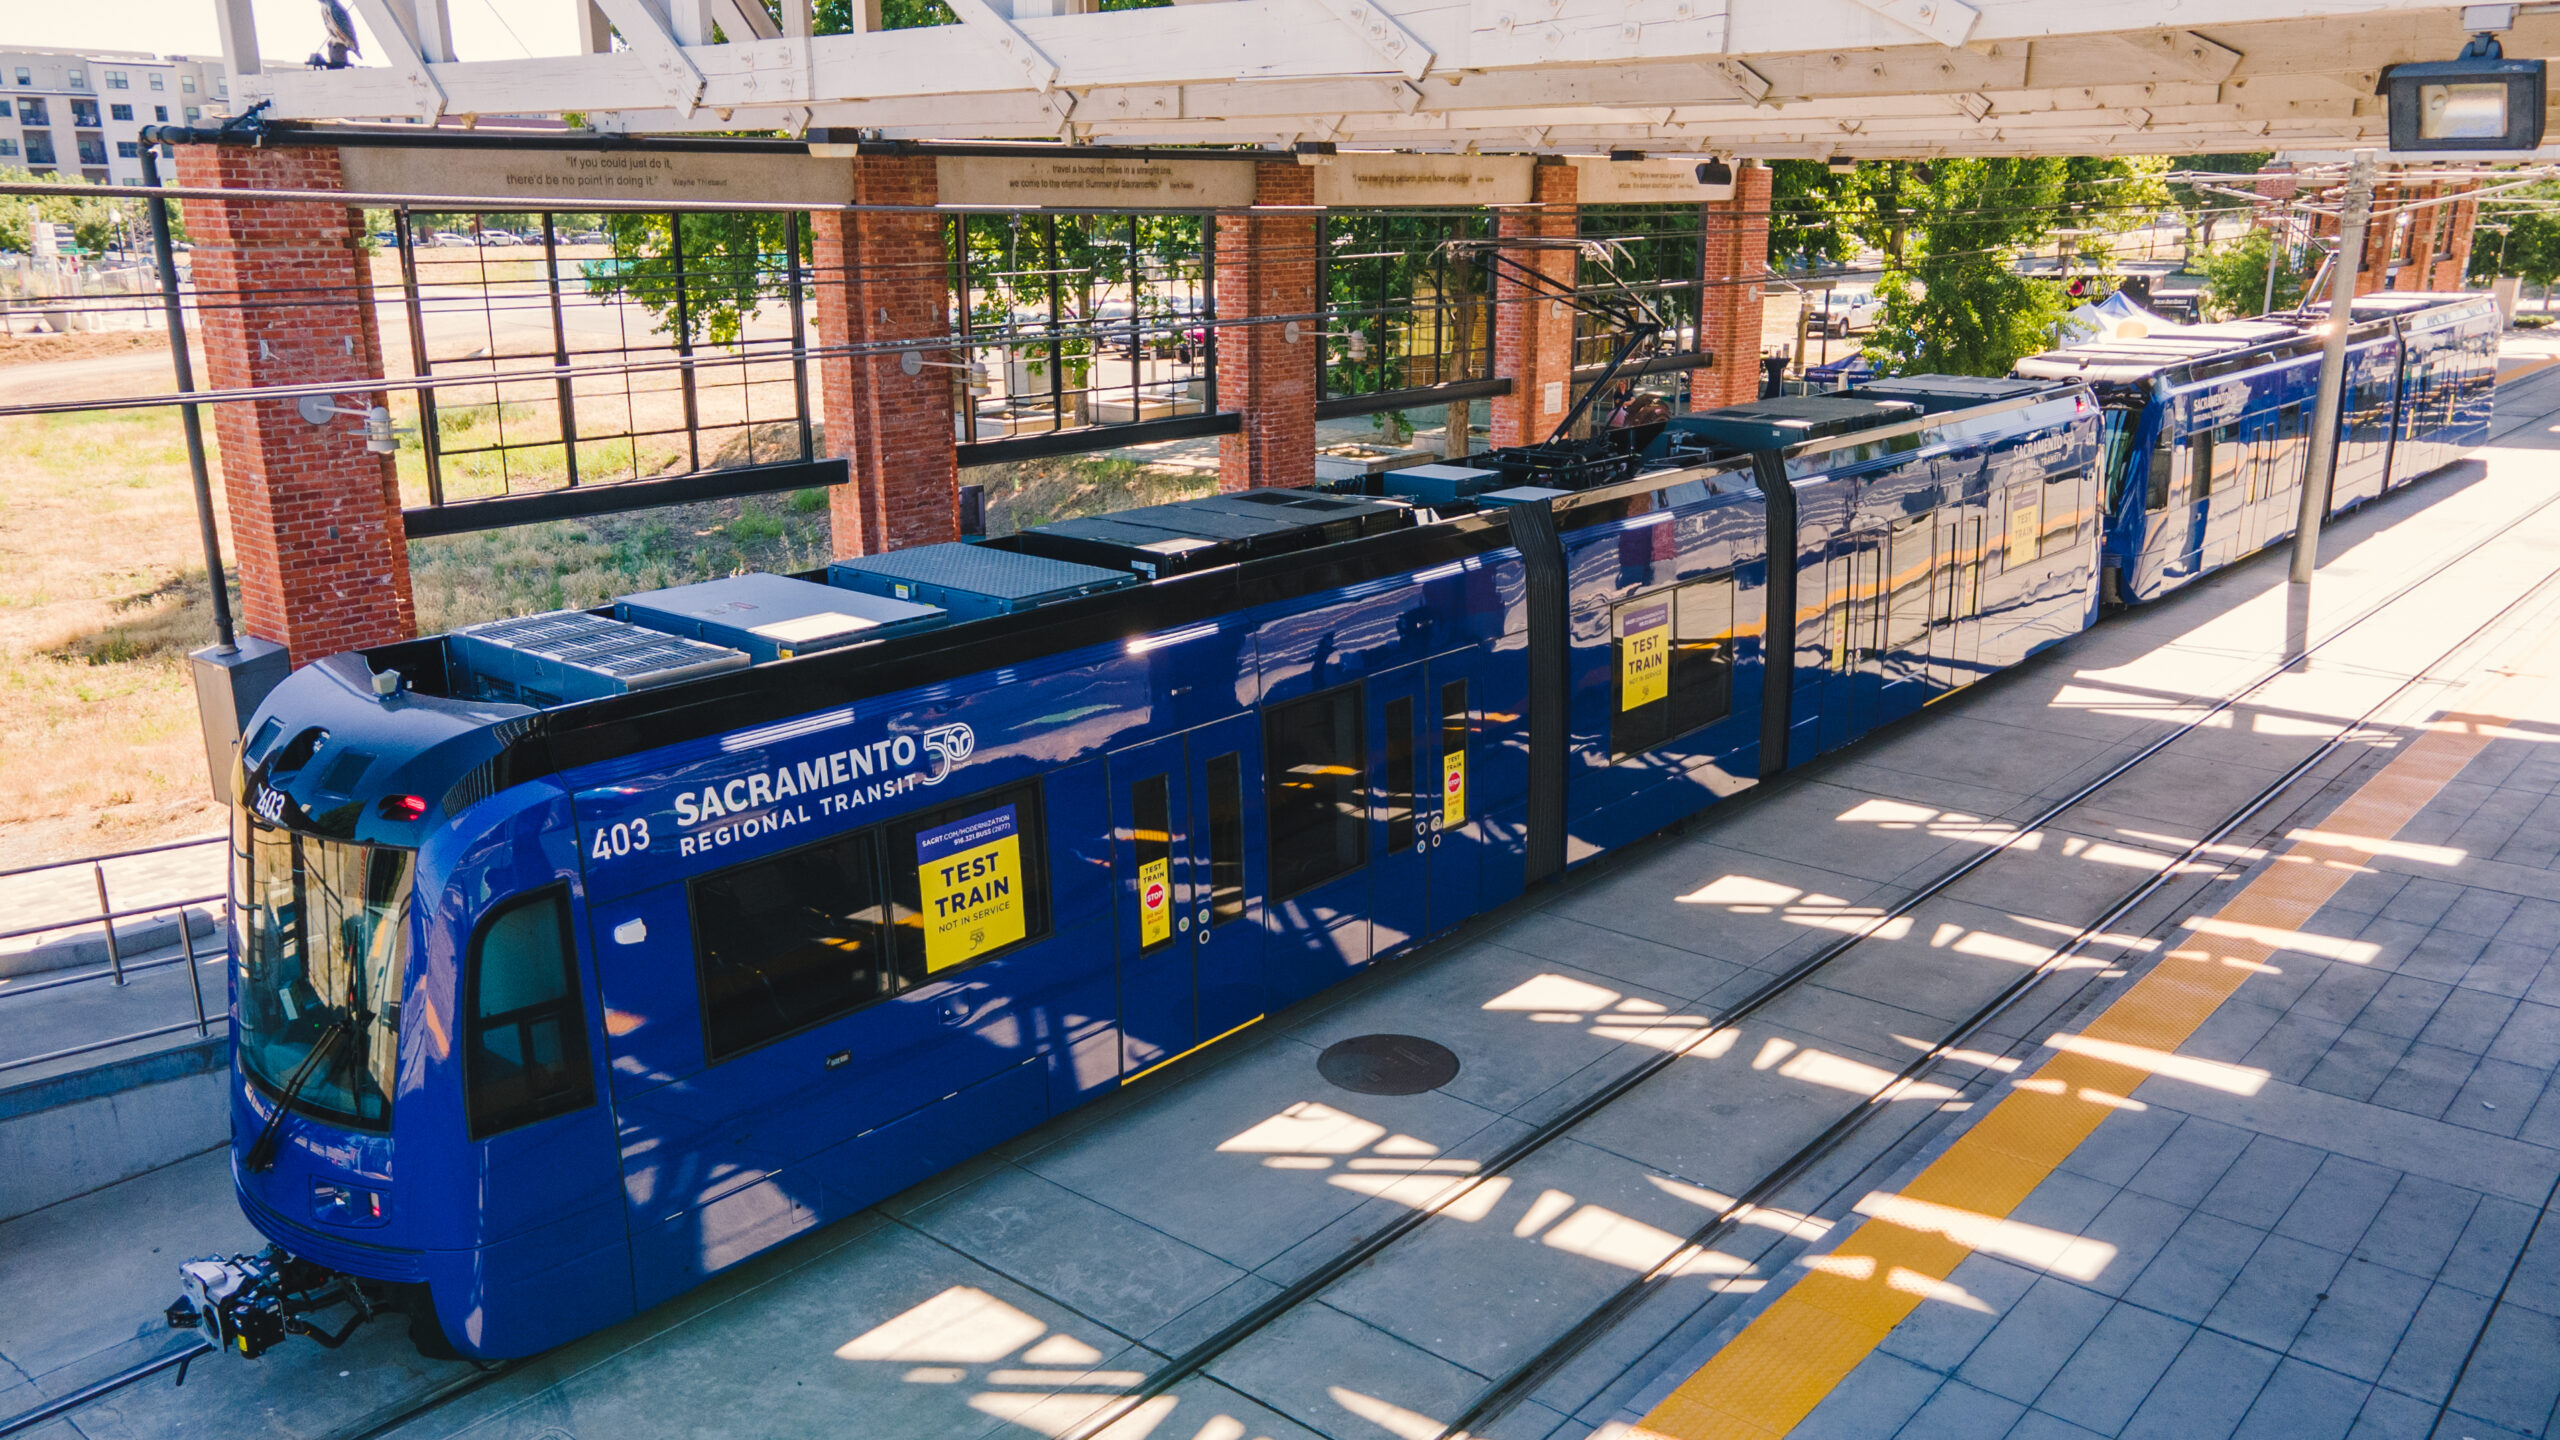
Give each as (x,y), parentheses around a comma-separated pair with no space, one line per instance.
(2209,427)
(600,999)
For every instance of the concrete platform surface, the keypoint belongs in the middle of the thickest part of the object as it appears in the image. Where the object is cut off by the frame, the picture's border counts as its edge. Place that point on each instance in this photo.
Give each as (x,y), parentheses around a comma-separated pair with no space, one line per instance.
(2340,1111)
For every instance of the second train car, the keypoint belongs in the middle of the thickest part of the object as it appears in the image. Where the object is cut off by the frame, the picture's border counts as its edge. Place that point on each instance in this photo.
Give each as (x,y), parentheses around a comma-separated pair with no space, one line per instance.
(2208,427)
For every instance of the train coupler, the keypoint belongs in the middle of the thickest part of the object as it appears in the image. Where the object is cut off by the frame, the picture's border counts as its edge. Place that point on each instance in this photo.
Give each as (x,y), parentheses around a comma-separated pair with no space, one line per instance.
(249,1304)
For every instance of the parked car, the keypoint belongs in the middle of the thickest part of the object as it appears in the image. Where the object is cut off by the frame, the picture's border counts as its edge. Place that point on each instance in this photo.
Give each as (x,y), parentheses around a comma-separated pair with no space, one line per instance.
(587,237)
(1844,311)
(500,237)
(447,239)
(386,239)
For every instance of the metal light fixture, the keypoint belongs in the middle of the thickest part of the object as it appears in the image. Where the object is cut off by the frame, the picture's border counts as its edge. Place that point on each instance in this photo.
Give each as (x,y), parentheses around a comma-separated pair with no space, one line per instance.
(1842,165)
(2479,102)
(1715,180)
(1356,348)
(973,373)
(378,434)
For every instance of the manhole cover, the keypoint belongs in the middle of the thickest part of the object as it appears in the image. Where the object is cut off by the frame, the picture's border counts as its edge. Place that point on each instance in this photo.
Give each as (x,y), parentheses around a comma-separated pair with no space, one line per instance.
(1388,1064)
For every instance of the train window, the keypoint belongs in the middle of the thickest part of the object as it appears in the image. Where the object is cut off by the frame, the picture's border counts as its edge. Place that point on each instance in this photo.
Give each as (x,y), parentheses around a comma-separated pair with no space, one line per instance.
(526,1058)
(1151,830)
(1453,754)
(1675,664)
(784,943)
(1314,749)
(2200,449)
(2156,492)
(1913,558)
(2226,459)
(968,880)
(1397,797)
(1225,774)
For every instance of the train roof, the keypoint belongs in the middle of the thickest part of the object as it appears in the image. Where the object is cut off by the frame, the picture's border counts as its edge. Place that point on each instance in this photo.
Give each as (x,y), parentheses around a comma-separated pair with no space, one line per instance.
(2206,348)
(501,708)
(2120,360)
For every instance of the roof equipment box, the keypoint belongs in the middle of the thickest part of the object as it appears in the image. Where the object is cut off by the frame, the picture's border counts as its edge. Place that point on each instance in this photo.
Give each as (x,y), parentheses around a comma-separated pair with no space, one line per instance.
(1162,540)
(1777,424)
(567,655)
(1521,495)
(972,582)
(1936,393)
(774,617)
(1440,484)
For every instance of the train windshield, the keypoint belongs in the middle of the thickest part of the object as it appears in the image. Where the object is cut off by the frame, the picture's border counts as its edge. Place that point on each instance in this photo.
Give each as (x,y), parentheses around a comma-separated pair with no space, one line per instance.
(324,928)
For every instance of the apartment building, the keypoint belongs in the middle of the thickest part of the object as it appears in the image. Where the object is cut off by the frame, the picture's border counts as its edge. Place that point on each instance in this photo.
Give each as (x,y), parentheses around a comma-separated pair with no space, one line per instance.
(81,112)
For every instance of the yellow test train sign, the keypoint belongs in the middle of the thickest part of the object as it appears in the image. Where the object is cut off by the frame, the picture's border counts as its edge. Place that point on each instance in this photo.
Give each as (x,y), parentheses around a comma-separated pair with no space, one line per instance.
(1155,903)
(1644,657)
(971,874)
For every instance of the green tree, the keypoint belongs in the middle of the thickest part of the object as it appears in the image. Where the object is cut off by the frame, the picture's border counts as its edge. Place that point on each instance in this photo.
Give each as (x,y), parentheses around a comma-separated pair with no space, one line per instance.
(732,262)
(2235,275)
(1813,214)
(1953,233)
(2529,245)
(1954,302)
(95,223)
(2202,209)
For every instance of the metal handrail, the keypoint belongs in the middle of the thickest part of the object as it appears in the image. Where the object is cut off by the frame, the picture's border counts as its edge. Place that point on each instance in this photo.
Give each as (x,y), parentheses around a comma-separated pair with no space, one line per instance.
(117,971)
(113,855)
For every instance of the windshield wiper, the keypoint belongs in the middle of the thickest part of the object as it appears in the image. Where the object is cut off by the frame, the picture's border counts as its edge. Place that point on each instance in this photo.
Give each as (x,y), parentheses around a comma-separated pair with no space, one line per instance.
(262,1155)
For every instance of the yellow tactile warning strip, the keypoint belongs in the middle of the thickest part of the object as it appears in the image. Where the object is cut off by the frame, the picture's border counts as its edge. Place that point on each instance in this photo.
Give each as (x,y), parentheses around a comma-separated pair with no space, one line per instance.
(2518,370)
(1780,1367)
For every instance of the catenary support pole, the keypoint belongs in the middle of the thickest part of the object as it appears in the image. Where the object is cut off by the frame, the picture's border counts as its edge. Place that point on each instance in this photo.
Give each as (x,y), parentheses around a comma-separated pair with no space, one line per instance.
(2316,475)
(224,636)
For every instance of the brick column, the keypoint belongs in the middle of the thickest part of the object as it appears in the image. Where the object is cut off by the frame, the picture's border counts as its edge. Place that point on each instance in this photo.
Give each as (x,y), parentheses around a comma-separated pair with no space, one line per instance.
(1533,336)
(2466,217)
(1734,252)
(880,278)
(287,299)
(1267,266)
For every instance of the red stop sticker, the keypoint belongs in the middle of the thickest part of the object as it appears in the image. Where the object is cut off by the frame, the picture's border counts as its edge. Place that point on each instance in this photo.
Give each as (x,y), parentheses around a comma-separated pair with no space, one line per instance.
(1155,897)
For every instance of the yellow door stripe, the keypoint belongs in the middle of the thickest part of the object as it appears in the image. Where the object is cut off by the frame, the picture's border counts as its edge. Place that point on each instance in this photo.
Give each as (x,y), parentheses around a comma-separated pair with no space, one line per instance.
(1768,1378)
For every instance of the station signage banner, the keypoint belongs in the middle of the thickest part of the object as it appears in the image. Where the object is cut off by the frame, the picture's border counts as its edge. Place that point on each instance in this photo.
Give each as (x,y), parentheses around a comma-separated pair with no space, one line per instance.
(1637,182)
(1367,181)
(566,176)
(1099,180)
(971,878)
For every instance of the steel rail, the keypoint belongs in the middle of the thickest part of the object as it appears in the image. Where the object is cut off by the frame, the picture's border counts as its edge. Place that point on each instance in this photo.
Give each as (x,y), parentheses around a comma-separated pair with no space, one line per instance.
(1193,1360)
(181,1358)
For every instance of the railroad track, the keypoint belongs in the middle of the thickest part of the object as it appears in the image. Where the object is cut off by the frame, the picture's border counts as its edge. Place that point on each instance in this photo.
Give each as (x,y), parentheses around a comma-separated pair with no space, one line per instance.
(1518,1383)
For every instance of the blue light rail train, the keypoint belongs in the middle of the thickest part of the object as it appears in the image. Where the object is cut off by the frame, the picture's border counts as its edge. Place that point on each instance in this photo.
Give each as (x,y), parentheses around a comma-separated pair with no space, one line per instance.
(581,956)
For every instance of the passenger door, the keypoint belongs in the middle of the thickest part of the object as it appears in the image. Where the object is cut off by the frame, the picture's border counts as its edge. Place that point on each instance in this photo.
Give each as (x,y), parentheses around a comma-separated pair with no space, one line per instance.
(1857,568)
(1151,865)
(1228,868)
(1187,865)
(1457,853)
(1404,745)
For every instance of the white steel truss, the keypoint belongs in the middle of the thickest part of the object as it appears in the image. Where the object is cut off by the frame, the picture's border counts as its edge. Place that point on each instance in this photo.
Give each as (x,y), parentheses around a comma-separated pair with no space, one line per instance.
(1760,78)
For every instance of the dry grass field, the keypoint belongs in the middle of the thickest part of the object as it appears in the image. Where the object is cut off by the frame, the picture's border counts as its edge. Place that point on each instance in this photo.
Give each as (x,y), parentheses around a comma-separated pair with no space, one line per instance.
(102,594)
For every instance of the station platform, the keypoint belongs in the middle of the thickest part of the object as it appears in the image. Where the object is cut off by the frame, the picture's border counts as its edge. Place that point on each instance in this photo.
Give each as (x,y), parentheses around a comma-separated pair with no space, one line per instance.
(2262,1149)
